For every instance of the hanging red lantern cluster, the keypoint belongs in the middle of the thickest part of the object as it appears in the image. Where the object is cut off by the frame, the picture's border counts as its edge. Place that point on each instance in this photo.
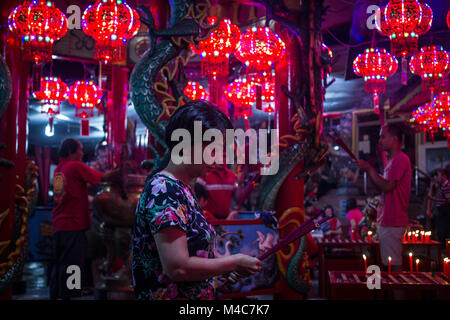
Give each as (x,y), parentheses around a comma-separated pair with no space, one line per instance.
(426,118)
(52,92)
(215,51)
(259,49)
(85,95)
(242,94)
(403,21)
(432,117)
(195,91)
(431,64)
(375,65)
(39,24)
(111,23)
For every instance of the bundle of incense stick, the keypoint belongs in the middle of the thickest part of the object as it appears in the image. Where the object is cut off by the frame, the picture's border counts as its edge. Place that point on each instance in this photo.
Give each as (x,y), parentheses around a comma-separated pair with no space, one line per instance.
(342,144)
(306,227)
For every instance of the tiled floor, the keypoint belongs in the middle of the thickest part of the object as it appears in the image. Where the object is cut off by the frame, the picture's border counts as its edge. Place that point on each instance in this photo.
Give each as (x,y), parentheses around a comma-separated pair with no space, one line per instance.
(35,275)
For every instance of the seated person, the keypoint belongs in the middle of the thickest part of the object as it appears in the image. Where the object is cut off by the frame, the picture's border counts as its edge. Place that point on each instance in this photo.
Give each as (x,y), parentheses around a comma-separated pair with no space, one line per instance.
(354,217)
(332,227)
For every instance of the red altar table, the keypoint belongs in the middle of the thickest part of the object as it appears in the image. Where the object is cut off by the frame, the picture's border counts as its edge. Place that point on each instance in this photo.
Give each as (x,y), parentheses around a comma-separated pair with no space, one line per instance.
(352,285)
(344,254)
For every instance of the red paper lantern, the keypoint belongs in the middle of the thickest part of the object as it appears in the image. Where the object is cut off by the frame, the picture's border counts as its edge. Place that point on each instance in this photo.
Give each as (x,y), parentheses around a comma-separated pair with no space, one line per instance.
(215,51)
(403,21)
(195,91)
(242,94)
(375,65)
(431,64)
(448,19)
(259,49)
(426,118)
(442,103)
(53,91)
(39,24)
(111,23)
(85,95)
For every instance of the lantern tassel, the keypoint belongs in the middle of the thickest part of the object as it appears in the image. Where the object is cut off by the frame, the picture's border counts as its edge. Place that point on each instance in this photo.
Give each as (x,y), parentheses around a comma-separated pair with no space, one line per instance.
(404,71)
(376,103)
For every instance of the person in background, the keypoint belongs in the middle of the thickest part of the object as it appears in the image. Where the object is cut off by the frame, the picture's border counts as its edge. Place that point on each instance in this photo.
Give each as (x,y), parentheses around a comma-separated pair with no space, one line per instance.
(202,196)
(310,209)
(395,185)
(442,203)
(354,216)
(221,184)
(172,242)
(332,227)
(71,216)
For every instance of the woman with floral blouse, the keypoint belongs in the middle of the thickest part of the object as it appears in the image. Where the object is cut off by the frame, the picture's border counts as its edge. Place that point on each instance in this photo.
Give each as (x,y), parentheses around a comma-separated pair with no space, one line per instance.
(173,244)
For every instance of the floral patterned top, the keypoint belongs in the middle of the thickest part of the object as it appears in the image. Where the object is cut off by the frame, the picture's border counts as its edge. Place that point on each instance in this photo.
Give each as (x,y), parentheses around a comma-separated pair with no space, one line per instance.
(167,202)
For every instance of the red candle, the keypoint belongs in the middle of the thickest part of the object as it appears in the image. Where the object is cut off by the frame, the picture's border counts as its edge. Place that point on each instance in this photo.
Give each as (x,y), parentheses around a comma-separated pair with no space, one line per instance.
(421,235)
(427,236)
(365,263)
(409,236)
(446,267)
(417,265)
(353,234)
(369,234)
(389,265)
(410,263)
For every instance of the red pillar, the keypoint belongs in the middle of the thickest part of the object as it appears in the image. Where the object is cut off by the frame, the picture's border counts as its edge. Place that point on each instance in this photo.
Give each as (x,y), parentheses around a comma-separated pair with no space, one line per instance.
(13,132)
(290,195)
(117,110)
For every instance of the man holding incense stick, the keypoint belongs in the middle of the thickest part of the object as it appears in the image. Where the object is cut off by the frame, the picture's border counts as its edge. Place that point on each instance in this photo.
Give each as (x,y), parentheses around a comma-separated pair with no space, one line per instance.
(395,185)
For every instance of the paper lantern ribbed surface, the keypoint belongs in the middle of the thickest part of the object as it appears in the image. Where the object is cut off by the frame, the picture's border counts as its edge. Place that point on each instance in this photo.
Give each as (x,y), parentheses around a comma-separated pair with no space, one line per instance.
(242,94)
(431,64)
(195,91)
(259,48)
(403,21)
(375,65)
(52,92)
(85,95)
(111,23)
(215,51)
(39,24)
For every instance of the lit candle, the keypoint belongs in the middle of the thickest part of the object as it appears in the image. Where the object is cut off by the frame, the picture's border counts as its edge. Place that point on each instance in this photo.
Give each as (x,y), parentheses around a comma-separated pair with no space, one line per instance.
(404,237)
(421,235)
(417,265)
(410,263)
(365,263)
(369,234)
(446,267)
(353,234)
(409,236)
(389,265)
(427,236)
(416,236)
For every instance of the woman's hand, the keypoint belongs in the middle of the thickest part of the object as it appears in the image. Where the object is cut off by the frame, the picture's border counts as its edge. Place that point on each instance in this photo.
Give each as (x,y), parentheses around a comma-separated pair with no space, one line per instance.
(246,265)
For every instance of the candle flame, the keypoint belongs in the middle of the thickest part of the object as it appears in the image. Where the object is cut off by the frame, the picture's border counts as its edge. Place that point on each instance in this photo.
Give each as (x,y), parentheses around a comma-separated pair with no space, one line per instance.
(370,232)
(389,258)
(417,260)
(364,257)
(410,254)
